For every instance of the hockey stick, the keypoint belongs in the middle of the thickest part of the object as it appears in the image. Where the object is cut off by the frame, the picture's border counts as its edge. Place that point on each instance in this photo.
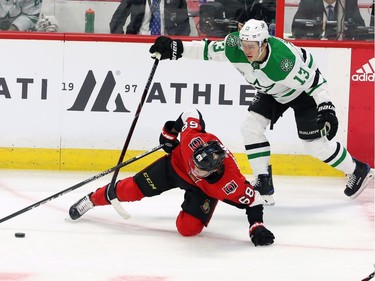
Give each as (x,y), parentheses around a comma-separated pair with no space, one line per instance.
(111,192)
(369,277)
(37,204)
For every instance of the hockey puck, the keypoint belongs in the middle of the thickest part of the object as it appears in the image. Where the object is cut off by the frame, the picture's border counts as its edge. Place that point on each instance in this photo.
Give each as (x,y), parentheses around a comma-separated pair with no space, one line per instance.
(19,235)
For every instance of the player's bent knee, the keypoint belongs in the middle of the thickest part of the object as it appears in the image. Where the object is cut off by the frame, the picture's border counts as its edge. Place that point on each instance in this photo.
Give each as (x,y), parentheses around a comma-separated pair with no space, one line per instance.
(254,125)
(187,225)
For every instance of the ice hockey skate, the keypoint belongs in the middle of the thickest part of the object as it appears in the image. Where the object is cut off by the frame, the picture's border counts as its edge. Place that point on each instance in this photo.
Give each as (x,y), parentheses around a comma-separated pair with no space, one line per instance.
(80,207)
(264,185)
(358,181)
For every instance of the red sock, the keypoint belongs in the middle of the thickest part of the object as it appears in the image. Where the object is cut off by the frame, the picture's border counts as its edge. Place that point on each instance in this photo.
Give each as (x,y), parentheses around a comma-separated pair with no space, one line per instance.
(126,190)
(187,225)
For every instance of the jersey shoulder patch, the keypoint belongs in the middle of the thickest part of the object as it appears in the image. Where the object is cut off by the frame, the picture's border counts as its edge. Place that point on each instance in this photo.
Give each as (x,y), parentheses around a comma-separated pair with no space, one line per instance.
(232,40)
(282,60)
(232,48)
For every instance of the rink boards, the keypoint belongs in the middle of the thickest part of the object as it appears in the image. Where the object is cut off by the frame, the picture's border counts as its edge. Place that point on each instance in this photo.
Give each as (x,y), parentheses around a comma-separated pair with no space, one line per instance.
(70,105)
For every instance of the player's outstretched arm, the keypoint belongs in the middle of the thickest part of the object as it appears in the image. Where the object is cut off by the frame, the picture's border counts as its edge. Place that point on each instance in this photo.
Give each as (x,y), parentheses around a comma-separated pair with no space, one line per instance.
(167,47)
(258,233)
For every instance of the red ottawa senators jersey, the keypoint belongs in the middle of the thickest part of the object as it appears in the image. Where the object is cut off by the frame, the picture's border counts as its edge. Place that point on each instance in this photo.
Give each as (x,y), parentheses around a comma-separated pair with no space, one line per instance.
(232,185)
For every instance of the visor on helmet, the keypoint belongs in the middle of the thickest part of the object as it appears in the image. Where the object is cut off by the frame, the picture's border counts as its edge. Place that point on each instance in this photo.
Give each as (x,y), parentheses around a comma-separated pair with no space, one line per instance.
(207,158)
(197,172)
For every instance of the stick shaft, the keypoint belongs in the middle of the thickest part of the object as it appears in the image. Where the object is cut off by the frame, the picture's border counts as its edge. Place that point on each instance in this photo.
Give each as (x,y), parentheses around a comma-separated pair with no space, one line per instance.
(110,190)
(82,183)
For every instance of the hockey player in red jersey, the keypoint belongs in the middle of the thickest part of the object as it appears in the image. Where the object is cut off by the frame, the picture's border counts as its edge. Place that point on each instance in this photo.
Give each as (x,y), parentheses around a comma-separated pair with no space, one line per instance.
(199,164)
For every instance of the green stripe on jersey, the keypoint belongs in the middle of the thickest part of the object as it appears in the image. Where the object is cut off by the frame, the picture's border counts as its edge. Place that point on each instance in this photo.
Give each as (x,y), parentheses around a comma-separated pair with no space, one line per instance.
(205,52)
(311,61)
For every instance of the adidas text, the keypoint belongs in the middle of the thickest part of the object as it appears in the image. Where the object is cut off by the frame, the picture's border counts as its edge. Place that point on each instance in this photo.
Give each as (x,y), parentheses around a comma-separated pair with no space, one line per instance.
(363,77)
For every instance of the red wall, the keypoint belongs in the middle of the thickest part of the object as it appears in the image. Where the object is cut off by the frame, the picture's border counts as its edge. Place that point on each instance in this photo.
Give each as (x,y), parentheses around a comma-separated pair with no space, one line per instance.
(361,105)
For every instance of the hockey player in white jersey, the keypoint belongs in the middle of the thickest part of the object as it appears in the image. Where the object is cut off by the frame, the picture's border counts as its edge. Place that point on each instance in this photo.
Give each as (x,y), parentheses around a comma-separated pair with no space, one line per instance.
(19,15)
(285,76)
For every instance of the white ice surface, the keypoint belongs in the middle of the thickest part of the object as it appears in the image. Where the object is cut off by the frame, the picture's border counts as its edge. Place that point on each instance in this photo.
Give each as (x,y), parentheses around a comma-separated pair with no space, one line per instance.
(320,235)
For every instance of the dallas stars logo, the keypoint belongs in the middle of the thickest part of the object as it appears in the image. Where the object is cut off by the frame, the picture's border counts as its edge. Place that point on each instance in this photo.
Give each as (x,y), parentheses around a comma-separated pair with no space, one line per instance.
(286,65)
(258,86)
(232,41)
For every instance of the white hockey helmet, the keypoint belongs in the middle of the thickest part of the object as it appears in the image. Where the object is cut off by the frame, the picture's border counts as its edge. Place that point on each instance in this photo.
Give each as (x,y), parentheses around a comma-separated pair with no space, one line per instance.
(254,30)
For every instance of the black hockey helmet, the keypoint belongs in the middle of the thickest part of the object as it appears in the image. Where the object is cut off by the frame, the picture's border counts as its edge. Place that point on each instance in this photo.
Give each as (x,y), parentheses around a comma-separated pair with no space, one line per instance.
(209,156)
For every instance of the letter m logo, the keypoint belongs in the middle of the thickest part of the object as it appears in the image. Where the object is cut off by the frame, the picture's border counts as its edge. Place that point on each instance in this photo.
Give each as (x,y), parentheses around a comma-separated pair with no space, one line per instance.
(101,101)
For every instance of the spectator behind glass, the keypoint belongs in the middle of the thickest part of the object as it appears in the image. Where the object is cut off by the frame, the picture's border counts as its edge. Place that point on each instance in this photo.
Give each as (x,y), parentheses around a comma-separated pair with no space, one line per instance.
(174,19)
(232,8)
(19,15)
(261,10)
(228,16)
(319,10)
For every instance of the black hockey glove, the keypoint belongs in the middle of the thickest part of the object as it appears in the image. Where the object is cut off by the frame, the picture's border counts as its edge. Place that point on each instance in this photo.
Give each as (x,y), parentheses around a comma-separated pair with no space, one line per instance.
(327,120)
(168,137)
(167,48)
(260,235)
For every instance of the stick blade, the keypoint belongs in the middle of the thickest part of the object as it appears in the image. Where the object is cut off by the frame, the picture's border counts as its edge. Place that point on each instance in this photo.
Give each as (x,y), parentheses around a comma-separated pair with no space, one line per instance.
(119,209)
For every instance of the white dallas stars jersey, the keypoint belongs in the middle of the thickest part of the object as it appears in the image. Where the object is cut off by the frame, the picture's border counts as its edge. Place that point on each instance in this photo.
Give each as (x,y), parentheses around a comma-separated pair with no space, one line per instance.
(21,13)
(287,72)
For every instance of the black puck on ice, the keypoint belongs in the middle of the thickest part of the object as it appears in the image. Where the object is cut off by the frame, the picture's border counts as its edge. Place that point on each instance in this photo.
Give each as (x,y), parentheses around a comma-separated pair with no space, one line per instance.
(19,235)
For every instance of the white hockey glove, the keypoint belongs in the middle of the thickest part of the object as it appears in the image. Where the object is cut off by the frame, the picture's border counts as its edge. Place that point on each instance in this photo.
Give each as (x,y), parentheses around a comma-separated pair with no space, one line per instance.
(47,23)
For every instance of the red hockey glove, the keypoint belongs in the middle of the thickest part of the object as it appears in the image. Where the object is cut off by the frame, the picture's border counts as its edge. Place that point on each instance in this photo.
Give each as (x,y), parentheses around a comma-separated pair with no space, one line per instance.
(168,137)
(260,235)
